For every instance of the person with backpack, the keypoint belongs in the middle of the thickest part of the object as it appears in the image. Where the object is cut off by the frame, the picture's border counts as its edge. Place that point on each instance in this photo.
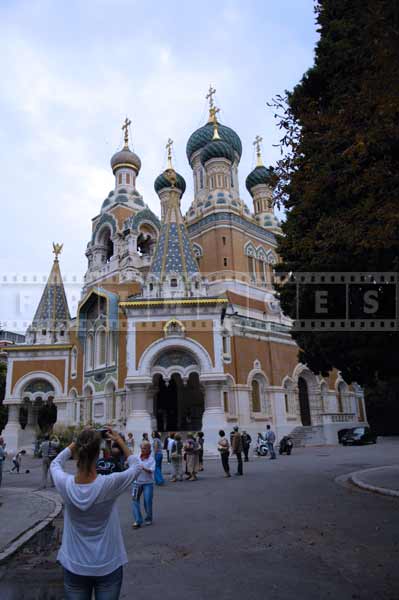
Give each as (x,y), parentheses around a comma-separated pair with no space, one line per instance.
(191,450)
(158,455)
(270,440)
(224,449)
(176,456)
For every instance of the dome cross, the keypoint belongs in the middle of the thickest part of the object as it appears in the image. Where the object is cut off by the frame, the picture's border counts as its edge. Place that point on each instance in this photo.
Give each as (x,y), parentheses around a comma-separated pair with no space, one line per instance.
(169,149)
(125,128)
(209,96)
(257,143)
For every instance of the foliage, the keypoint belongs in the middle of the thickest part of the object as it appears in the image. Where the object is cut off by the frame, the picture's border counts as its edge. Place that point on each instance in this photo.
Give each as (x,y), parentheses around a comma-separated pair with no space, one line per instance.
(338,177)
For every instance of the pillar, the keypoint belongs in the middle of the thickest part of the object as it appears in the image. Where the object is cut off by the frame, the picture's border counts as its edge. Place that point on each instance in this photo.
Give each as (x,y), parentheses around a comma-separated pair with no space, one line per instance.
(13,433)
(138,417)
(214,417)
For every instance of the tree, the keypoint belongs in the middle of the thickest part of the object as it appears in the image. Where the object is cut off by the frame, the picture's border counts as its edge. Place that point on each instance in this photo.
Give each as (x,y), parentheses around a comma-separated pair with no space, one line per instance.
(338,178)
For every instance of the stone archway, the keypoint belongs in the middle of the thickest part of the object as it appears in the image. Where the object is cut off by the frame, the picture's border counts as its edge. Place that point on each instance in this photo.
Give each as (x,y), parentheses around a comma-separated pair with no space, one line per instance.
(178,402)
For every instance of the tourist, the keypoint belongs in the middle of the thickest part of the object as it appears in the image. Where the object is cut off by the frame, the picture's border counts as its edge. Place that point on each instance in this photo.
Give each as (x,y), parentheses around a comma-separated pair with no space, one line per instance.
(246,443)
(17,461)
(236,448)
(200,442)
(3,456)
(45,449)
(169,445)
(143,485)
(191,450)
(224,448)
(177,458)
(158,455)
(145,438)
(92,552)
(130,441)
(270,440)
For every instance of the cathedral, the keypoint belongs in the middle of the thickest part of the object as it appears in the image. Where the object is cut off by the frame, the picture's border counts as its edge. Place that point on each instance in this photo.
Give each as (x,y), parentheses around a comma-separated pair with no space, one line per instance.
(178,327)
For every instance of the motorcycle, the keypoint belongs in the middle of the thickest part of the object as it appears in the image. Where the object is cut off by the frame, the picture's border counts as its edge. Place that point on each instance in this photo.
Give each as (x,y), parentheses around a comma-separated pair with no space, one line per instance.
(261,446)
(286,445)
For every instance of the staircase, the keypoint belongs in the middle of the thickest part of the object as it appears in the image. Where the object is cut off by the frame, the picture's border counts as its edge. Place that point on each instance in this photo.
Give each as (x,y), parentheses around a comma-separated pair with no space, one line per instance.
(312,435)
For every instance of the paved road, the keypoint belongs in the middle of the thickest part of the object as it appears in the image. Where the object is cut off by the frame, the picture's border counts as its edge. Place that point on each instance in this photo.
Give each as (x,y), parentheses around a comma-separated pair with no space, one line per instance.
(286,530)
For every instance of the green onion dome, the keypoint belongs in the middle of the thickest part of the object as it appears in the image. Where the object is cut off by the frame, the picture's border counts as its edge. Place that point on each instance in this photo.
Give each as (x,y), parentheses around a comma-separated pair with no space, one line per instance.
(217,149)
(169,178)
(204,135)
(125,158)
(260,175)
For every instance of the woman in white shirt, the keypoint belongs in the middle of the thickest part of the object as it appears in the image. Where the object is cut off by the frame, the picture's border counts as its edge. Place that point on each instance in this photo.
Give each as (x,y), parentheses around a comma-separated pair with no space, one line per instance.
(143,485)
(92,550)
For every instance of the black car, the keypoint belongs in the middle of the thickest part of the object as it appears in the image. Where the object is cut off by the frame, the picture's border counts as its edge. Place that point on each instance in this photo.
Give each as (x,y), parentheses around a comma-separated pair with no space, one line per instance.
(358,436)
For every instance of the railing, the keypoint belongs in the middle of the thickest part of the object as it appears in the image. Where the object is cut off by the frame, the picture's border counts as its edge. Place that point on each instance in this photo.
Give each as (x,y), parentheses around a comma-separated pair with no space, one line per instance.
(329,418)
(264,325)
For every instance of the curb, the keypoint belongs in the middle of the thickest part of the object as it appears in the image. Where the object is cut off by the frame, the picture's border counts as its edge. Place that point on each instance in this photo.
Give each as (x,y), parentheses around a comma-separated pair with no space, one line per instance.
(355,479)
(24,537)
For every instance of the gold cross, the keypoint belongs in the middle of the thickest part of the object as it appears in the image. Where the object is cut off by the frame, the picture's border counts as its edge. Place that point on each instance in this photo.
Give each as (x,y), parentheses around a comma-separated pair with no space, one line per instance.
(169,149)
(57,249)
(210,95)
(257,143)
(212,114)
(125,128)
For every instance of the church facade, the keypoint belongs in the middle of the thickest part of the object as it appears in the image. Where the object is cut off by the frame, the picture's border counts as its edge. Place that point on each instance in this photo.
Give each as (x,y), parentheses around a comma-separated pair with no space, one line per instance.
(178,327)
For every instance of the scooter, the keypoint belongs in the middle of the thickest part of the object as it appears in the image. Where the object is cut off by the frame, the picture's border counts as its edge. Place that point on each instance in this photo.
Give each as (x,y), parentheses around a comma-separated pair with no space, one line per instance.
(286,445)
(261,446)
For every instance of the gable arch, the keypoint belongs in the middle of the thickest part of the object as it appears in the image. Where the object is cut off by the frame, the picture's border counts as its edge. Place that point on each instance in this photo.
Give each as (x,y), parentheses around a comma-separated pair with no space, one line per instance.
(23,381)
(149,356)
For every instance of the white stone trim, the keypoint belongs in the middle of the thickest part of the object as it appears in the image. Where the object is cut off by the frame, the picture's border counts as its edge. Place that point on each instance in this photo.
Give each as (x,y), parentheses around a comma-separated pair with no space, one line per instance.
(22,381)
(151,352)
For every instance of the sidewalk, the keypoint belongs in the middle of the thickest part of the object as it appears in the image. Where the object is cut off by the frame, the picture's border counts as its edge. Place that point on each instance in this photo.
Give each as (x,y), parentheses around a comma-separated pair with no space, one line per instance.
(382,480)
(23,513)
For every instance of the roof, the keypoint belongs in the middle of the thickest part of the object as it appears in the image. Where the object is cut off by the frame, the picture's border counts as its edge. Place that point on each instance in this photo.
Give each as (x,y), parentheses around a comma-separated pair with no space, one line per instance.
(53,305)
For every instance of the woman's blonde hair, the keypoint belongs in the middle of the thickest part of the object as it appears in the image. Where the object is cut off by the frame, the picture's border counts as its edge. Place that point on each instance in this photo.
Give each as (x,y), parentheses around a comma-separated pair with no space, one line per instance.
(88,448)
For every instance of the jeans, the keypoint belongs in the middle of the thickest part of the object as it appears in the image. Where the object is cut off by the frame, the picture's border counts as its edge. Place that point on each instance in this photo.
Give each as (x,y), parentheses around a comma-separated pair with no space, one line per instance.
(46,462)
(246,451)
(159,480)
(225,462)
(80,587)
(239,463)
(147,490)
(16,465)
(270,447)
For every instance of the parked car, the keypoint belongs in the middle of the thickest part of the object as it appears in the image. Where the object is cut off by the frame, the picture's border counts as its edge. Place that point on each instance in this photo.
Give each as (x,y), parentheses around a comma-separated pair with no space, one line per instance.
(358,436)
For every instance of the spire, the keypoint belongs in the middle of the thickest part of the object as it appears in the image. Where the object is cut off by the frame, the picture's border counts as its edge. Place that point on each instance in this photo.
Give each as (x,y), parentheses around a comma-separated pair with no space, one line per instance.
(125,128)
(257,143)
(53,306)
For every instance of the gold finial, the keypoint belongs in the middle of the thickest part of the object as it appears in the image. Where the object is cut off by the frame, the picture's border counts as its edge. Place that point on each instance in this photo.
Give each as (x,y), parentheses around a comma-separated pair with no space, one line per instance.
(125,128)
(257,142)
(213,119)
(209,96)
(169,149)
(57,249)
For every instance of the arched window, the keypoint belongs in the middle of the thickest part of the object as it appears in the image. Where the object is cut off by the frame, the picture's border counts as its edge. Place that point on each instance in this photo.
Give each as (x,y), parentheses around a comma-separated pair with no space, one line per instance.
(173,282)
(74,362)
(231,177)
(201,179)
(89,352)
(111,348)
(255,396)
(101,344)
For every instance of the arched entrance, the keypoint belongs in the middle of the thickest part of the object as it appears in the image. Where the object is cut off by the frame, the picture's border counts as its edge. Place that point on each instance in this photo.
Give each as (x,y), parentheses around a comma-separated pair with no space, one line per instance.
(178,405)
(304,405)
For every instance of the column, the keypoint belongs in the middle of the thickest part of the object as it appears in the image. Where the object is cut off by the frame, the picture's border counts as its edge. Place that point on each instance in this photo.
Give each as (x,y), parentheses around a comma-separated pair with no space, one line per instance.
(13,432)
(138,416)
(214,417)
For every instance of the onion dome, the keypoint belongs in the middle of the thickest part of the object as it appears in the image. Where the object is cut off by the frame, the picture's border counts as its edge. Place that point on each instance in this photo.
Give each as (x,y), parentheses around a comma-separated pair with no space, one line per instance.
(217,149)
(169,178)
(261,175)
(202,136)
(125,158)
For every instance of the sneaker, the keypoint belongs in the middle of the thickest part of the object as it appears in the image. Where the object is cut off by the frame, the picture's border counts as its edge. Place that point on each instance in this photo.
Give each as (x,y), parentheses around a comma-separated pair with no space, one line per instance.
(136,525)
(147,522)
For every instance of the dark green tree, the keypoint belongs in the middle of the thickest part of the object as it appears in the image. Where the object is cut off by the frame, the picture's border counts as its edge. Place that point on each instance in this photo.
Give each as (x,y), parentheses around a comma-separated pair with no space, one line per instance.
(338,178)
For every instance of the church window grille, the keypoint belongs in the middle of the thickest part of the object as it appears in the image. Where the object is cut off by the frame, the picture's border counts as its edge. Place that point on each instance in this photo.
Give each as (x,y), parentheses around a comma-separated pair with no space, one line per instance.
(226,401)
(89,352)
(128,178)
(151,287)
(111,348)
(251,268)
(255,396)
(225,262)
(201,174)
(101,347)
(224,240)
(231,178)
(173,282)
(44,331)
(120,178)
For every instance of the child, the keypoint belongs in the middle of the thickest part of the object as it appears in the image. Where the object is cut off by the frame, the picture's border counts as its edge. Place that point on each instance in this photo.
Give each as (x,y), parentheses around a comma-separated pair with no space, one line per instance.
(17,460)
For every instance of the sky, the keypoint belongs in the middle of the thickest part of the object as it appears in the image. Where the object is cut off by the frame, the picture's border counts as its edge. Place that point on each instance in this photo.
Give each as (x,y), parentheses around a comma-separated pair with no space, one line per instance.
(72,71)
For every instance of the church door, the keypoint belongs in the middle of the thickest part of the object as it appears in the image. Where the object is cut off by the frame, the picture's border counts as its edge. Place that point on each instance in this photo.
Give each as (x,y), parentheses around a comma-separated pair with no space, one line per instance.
(304,402)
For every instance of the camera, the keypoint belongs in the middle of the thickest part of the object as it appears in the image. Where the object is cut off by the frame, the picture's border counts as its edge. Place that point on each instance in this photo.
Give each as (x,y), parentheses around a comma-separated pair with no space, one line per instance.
(103,431)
